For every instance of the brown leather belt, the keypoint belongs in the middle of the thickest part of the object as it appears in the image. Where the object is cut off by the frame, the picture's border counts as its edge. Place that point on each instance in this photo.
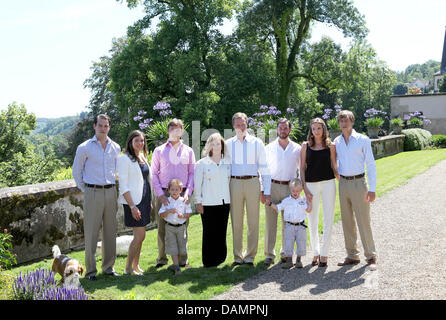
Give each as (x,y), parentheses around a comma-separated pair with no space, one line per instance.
(280,182)
(243,177)
(359,176)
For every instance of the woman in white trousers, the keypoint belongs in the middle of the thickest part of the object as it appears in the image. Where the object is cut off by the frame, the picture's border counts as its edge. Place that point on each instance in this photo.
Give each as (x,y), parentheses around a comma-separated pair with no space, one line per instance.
(318,171)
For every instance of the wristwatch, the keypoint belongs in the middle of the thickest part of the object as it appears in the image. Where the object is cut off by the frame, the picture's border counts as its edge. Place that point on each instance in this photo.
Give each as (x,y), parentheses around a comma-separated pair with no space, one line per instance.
(131,207)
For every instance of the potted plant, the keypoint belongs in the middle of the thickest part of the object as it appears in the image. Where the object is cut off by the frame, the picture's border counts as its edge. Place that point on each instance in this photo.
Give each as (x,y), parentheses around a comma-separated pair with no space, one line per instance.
(415,122)
(373,121)
(373,125)
(397,125)
(334,129)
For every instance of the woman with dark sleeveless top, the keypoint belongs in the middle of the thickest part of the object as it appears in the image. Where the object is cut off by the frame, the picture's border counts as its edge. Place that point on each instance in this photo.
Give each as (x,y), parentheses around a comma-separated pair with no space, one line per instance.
(318,170)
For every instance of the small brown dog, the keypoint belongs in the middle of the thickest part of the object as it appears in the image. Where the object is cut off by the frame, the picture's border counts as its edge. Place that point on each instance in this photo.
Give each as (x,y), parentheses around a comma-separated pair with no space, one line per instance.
(68,268)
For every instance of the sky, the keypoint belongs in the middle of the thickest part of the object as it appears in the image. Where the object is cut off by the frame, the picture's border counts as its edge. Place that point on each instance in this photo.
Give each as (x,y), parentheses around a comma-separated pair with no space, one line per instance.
(47,47)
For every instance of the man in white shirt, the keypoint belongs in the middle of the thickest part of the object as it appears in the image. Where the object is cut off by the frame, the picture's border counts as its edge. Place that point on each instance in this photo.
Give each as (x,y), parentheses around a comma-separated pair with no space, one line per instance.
(248,159)
(283,158)
(353,152)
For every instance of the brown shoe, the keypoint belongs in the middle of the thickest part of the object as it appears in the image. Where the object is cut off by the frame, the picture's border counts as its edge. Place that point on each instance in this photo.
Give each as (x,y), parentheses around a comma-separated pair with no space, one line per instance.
(347,262)
(372,264)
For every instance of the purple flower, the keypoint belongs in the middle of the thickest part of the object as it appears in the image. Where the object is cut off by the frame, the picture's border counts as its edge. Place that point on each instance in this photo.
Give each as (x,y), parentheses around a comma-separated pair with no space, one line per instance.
(142,126)
(160,105)
(263,107)
(137,118)
(271,122)
(337,108)
(289,110)
(325,116)
(141,112)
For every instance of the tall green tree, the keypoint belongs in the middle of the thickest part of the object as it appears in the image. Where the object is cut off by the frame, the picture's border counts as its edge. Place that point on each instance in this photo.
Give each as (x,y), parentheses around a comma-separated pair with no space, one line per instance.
(15,124)
(20,162)
(285,26)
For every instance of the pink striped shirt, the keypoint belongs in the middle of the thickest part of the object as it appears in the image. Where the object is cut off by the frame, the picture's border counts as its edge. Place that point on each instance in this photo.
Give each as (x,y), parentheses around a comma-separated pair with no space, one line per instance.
(168,164)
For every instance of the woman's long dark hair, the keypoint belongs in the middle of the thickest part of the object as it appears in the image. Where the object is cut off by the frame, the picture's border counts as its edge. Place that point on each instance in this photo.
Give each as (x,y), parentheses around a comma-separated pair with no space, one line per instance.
(129,147)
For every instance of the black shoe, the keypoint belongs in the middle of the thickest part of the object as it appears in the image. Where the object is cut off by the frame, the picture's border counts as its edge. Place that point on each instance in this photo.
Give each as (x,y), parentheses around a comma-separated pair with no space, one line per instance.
(92,278)
(159,265)
(113,273)
(235,264)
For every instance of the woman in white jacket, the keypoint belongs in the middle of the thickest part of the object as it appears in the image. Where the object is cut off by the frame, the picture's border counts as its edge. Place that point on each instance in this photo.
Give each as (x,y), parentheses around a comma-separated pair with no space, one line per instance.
(135,194)
(211,189)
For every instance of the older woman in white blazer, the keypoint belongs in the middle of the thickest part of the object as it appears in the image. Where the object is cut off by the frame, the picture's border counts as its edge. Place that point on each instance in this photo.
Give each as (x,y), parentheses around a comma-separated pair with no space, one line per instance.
(135,194)
(212,199)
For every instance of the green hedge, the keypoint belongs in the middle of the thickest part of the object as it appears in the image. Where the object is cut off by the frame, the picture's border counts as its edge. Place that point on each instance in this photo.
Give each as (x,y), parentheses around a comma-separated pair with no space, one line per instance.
(416,139)
(439,140)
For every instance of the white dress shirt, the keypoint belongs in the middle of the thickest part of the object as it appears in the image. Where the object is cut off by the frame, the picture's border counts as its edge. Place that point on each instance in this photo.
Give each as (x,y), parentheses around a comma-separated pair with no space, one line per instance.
(176,204)
(248,158)
(294,209)
(211,182)
(354,156)
(283,163)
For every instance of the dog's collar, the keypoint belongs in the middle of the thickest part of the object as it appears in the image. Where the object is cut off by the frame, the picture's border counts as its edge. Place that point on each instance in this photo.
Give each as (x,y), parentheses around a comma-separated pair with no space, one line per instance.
(65,259)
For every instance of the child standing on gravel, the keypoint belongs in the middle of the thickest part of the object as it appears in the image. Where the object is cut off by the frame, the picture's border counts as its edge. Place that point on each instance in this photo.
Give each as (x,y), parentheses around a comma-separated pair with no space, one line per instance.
(295,231)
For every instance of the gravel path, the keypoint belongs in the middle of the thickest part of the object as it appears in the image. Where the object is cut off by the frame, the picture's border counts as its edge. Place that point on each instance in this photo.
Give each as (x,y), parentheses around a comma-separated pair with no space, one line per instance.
(409,227)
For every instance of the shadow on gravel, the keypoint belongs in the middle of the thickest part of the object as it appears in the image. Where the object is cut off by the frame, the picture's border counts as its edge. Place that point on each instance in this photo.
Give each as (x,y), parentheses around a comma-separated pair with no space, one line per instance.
(293,279)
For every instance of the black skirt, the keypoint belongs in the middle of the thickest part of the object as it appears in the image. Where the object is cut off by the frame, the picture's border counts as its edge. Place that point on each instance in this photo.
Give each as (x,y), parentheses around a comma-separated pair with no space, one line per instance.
(143,206)
(215,223)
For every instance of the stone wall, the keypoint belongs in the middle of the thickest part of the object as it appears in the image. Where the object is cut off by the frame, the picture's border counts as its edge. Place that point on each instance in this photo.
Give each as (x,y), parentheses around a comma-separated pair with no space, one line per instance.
(433,107)
(387,146)
(41,215)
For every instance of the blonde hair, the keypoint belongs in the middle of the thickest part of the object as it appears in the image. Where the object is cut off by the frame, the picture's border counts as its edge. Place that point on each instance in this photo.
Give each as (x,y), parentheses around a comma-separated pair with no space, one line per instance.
(175,182)
(325,138)
(346,114)
(295,183)
(208,148)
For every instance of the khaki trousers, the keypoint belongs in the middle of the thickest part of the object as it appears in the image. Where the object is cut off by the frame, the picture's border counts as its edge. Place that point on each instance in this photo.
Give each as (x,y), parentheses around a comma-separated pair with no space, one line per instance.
(278,193)
(100,208)
(161,228)
(356,210)
(245,191)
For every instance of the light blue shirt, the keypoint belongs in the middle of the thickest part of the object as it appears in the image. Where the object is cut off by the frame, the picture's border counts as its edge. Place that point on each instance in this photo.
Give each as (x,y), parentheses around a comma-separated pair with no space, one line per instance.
(94,165)
(354,156)
(248,158)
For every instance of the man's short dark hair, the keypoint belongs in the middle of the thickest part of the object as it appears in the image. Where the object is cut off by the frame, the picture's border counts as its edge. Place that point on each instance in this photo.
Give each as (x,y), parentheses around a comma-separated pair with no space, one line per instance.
(101,116)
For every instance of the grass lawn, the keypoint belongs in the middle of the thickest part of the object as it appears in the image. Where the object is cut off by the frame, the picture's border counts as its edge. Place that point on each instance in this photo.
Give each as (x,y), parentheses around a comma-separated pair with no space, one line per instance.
(204,283)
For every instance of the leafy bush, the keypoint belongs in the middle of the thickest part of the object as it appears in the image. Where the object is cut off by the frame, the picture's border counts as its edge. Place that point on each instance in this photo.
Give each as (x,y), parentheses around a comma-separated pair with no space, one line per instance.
(439,140)
(416,139)
(6,256)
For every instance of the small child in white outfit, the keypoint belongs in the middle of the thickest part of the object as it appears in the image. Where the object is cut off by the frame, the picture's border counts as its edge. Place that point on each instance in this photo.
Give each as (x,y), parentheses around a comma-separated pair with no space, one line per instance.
(176,214)
(294,215)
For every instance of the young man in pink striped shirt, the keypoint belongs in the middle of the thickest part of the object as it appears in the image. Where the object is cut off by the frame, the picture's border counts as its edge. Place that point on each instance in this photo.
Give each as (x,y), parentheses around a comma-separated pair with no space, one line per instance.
(171,160)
